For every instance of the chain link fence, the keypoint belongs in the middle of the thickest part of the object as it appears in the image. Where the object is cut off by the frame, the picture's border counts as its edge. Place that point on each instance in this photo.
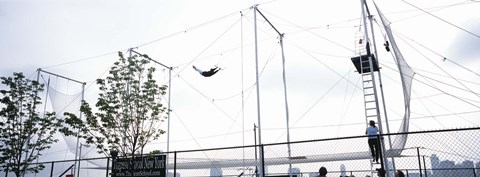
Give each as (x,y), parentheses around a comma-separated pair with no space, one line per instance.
(440,153)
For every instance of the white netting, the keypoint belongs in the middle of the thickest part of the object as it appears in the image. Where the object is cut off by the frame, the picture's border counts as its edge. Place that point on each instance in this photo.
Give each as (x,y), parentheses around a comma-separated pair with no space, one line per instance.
(65,96)
(63,102)
(406,75)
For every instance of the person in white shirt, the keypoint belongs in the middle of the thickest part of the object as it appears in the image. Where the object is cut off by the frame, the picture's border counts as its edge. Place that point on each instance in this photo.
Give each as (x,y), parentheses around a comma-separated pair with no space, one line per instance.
(373,143)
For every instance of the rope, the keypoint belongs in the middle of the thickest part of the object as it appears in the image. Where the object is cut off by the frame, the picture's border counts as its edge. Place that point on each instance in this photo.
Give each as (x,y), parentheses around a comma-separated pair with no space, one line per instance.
(194,139)
(471,91)
(436,88)
(83,59)
(308,30)
(438,54)
(314,104)
(210,45)
(458,27)
(315,58)
(436,8)
(146,43)
(343,113)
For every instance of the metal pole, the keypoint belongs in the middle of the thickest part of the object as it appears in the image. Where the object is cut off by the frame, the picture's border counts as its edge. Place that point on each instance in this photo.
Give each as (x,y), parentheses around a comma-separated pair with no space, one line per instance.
(258,85)
(169,97)
(286,108)
(168,114)
(419,162)
(78,137)
(6,171)
(83,94)
(51,169)
(79,158)
(40,69)
(255,139)
(108,166)
(382,94)
(424,166)
(175,164)
(372,74)
(263,161)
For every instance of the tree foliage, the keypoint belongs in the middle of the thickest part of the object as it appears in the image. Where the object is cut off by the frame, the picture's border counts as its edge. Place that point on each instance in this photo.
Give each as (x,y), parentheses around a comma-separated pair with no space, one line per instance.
(24,132)
(129,109)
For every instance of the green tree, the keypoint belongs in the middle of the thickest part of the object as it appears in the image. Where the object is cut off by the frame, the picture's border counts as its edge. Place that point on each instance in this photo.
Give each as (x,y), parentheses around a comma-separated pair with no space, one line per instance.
(24,132)
(129,109)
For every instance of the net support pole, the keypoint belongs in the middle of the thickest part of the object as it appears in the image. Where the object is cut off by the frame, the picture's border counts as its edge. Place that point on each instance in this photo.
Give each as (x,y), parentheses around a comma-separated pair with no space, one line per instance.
(372,73)
(80,116)
(79,145)
(286,108)
(382,96)
(168,116)
(284,89)
(261,170)
(169,98)
(70,79)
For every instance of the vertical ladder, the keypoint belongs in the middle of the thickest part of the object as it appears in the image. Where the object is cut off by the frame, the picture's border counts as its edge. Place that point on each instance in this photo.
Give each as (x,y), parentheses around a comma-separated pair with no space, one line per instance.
(369,91)
(370,99)
(368,83)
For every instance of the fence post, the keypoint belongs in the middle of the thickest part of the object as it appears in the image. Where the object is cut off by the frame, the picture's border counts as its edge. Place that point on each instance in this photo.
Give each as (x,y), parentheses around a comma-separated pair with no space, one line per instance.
(114,154)
(51,169)
(419,162)
(263,160)
(424,166)
(474,172)
(6,172)
(108,166)
(175,164)
(382,162)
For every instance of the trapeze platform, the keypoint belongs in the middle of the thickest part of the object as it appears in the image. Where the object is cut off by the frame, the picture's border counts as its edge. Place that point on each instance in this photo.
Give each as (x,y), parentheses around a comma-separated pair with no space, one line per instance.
(362,64)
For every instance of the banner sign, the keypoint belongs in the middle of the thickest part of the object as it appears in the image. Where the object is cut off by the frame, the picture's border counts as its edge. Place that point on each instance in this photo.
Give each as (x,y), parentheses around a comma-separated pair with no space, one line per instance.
(148,166)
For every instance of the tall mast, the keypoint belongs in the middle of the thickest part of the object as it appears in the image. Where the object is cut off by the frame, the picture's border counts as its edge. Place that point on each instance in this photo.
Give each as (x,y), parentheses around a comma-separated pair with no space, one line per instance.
(261,171)
(373,80)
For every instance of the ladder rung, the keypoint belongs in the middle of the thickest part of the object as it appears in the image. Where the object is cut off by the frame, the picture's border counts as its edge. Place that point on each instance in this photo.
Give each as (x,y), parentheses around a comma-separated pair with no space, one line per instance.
(367,80)
(370,108)
(370,101)
(367,87)
(369,94)
(372,115)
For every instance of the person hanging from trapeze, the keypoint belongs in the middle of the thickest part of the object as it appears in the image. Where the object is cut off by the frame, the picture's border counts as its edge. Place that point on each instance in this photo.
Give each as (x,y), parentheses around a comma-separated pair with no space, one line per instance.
(209,73)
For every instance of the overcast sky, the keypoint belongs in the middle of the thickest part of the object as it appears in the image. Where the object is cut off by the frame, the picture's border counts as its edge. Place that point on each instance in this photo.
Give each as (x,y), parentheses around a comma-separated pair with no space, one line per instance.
(80,40)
